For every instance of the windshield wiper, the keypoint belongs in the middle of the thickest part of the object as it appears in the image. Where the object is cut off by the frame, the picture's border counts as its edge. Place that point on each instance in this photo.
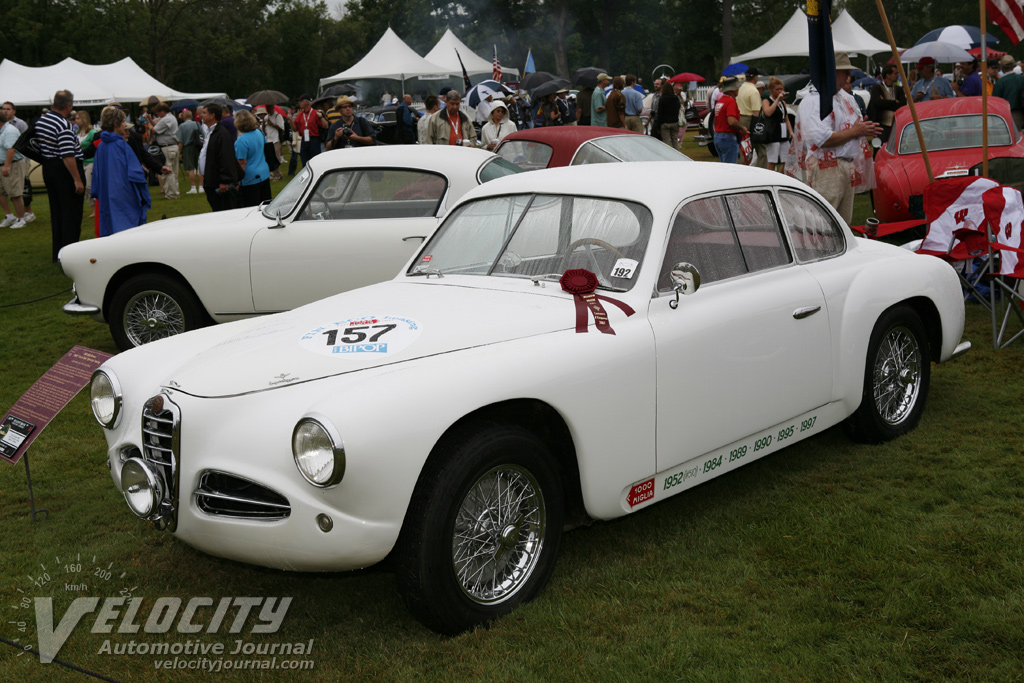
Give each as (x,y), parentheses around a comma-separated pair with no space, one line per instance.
(427,272)
(548,277)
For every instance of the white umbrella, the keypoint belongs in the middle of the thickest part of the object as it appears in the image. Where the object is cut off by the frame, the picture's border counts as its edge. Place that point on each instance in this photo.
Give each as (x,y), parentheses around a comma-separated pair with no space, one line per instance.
(937,50)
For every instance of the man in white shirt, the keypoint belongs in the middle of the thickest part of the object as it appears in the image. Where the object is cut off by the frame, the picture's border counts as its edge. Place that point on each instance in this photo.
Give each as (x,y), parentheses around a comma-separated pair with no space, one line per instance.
(165,133)
(834,144)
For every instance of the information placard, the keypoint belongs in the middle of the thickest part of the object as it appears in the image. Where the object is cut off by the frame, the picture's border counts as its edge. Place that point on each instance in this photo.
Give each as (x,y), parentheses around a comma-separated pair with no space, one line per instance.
(44,399)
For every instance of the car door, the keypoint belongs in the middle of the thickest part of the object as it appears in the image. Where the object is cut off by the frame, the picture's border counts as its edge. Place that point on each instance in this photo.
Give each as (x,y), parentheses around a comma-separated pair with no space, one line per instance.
(358,227)
(752,347)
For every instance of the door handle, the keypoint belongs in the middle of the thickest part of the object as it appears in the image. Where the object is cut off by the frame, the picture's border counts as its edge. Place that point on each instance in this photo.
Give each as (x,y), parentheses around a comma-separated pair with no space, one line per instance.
(414,237)
(805,312)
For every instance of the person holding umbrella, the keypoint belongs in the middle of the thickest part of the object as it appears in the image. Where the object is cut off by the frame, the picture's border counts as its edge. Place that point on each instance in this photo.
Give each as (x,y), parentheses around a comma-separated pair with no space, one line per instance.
(930,86)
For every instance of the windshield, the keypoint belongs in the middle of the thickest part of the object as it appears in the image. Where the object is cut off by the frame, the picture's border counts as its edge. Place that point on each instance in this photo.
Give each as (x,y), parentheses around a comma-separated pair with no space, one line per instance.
(284,202)
(529,236)
(526,154)
(954,132)
(625,148)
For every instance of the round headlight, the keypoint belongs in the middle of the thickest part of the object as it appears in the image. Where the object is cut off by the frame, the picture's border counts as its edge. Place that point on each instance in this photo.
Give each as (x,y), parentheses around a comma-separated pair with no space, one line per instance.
(142,488)
(105,396)
(318,451)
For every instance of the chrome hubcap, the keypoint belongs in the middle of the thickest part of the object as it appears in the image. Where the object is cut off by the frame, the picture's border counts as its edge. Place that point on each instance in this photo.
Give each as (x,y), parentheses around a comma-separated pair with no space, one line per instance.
(152,315)
(499,534)
(897,376)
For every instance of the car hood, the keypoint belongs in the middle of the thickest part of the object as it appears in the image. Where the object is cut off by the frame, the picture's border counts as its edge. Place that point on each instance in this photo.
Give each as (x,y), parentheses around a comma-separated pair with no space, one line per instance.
(387,323)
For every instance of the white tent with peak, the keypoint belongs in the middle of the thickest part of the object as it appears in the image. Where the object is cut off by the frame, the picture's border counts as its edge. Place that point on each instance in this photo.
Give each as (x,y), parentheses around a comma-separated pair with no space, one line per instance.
(791,40)
(91,84)
(443,54)
(389,58)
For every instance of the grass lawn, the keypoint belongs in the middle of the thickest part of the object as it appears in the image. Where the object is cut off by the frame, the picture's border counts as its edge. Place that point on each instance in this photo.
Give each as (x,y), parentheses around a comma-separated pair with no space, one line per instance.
(827,561)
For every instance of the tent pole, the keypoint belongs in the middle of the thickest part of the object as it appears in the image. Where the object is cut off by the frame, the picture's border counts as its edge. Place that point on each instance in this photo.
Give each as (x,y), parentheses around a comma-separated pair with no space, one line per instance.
(984,93)
(906,88)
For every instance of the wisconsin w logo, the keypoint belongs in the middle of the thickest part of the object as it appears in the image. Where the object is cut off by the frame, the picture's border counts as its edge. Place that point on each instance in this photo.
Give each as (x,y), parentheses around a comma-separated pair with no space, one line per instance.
(960,215)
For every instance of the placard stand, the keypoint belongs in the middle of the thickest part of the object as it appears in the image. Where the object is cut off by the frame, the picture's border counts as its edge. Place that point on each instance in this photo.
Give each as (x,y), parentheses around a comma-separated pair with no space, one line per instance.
(31,498)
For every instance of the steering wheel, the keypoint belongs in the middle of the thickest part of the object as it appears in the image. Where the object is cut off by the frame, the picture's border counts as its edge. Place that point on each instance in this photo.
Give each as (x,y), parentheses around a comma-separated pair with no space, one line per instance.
(588,242)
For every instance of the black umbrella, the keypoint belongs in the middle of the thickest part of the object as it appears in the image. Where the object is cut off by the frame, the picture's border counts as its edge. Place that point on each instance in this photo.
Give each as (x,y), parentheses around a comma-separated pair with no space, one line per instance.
(550,87)
(338,90)
(267,98)
(225,102)
(587,76)
(531,81)
(184,104)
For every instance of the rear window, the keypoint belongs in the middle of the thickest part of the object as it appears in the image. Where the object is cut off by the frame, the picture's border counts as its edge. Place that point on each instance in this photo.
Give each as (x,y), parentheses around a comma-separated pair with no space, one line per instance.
(625,148)
(954,132)
(526,154)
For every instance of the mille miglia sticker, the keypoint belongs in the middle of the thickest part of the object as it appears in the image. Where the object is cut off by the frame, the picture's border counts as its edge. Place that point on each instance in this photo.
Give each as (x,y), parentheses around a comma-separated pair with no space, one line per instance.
(364,338)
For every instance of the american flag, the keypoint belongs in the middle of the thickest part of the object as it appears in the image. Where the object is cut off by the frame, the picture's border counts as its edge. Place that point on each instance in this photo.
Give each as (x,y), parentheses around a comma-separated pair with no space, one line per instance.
(496,66)
(1008,15)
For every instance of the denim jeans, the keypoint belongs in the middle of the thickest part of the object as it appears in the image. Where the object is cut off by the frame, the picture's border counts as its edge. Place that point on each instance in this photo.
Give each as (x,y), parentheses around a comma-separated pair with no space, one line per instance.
(728,147)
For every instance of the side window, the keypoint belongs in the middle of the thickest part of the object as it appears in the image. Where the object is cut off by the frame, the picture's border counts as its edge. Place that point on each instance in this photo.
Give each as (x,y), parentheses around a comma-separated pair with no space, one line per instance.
(590,153)
(374,193)
(724,237)
(812,230)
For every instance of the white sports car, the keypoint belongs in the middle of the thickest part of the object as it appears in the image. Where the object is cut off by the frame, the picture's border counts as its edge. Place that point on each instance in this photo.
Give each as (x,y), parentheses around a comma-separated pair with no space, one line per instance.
(533,365)
(351,218)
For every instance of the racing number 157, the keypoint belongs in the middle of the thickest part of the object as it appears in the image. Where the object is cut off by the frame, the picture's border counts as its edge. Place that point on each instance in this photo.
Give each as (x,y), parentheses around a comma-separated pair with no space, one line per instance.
(354,335)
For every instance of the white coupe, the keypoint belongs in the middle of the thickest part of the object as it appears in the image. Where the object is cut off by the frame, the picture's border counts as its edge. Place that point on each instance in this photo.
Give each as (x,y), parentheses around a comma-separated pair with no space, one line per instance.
(570,343)
(351,218)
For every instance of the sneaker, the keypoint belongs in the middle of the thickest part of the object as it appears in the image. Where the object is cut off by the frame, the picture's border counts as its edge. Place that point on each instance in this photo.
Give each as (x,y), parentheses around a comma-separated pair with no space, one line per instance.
(8,221)
(18,223)
(201,190)
(29,217)
(193,191)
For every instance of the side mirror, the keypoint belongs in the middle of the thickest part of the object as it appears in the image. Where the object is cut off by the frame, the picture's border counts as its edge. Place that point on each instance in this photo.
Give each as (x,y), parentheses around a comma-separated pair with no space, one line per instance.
(685,280)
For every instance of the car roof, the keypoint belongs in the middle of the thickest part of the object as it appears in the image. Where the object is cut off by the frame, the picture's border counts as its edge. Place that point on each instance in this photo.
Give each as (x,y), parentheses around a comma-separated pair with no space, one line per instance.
(443,158)
(565,140)
(952,106)
(660,185)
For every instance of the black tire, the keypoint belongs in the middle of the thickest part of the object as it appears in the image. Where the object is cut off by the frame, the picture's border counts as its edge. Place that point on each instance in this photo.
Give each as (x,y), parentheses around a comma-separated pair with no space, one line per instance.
(897,374)
(151,307)
(504,561)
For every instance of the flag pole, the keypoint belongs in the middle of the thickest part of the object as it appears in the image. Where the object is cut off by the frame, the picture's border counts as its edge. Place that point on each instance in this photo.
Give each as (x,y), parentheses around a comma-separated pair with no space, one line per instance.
(906,88)
(984,92)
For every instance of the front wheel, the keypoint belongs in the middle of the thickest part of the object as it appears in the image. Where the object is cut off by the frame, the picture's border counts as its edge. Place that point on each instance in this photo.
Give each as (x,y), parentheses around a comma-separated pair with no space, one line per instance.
(151,307)
(896,378)
(482,530)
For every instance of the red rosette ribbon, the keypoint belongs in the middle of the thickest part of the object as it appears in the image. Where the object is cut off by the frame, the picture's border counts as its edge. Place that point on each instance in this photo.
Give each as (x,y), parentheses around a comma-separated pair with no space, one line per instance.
(581,283)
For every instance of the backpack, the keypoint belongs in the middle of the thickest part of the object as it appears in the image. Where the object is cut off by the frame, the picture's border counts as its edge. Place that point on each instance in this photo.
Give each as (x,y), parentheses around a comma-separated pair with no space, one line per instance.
(28,145)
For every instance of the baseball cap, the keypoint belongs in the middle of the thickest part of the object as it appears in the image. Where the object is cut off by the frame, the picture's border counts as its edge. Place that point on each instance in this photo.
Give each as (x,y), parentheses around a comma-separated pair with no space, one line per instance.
(926,61)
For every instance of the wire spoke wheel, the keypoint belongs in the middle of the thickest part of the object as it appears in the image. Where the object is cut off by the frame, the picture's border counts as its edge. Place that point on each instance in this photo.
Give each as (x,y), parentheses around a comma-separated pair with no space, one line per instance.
(152,315)
(499,534)
(897,375)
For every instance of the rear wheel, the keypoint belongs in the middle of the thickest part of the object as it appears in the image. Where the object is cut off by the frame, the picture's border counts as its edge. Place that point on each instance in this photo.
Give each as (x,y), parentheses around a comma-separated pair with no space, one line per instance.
(896,378)
(151,307)
(482,531)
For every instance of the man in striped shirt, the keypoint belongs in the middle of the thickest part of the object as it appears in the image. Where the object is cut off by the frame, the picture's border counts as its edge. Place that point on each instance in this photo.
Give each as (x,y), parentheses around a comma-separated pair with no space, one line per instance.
(62,170)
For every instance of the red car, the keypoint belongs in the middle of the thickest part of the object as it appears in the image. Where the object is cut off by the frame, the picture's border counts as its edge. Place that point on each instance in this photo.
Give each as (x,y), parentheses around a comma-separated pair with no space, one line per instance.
(952,136)
(552,146)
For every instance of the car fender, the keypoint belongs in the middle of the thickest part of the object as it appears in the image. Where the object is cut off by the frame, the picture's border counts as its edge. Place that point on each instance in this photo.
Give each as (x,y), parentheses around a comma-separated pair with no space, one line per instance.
(867,287)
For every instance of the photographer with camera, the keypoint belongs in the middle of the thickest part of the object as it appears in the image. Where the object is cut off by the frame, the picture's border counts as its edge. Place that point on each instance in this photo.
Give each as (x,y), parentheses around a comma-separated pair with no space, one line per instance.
(350,130)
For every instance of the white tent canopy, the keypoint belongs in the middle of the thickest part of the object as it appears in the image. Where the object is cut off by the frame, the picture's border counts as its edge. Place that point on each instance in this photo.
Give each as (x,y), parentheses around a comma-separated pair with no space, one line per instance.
(792,41)
(389,58)
(91,84)
(443,54)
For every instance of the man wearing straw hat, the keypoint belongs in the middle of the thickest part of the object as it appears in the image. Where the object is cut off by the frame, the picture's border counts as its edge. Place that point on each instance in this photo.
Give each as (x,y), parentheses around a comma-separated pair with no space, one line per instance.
(833,144)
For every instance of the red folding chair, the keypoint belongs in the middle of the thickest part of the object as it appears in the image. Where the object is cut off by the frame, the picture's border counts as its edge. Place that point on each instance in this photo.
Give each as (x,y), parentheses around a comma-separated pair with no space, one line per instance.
(1004,211)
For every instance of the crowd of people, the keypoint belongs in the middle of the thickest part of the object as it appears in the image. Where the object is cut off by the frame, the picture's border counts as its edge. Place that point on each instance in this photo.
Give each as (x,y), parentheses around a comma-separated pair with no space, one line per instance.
(232,156)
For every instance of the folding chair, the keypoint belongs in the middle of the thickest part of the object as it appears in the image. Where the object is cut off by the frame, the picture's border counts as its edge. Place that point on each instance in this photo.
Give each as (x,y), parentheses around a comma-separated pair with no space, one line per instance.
(1004,211)
(956,232)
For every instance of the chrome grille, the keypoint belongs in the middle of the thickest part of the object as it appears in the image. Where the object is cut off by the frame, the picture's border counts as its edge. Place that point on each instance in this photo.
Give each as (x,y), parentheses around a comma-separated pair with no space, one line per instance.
(228,495)
(161,427)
